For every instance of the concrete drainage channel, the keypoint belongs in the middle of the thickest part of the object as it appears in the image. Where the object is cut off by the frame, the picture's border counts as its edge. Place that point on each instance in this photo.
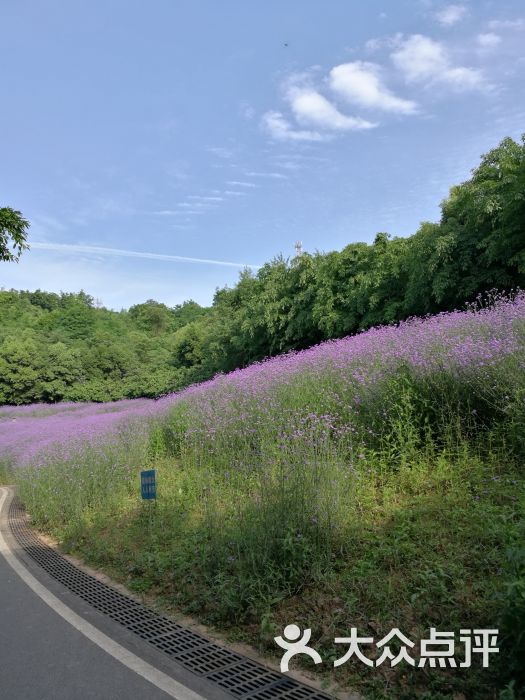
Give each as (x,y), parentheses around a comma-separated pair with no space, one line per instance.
(235,675)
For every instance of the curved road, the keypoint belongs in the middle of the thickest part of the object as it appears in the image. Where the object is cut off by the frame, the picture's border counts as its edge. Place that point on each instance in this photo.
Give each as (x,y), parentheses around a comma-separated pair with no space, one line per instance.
(48,651)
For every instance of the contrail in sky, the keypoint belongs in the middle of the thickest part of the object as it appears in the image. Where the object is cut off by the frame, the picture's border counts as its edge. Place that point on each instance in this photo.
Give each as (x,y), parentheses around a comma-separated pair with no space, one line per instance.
(99,250)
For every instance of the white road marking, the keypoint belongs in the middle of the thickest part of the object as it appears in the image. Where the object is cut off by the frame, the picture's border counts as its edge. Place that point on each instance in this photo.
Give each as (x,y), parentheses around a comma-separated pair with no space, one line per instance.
(170,686)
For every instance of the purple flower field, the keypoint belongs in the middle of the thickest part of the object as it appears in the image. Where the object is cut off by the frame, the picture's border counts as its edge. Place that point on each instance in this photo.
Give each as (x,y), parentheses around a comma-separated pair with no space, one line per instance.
(466,344)
(26,431)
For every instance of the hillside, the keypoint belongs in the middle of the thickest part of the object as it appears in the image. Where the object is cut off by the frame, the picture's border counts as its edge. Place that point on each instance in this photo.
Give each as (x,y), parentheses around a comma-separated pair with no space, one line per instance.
(64,347)
(371,482)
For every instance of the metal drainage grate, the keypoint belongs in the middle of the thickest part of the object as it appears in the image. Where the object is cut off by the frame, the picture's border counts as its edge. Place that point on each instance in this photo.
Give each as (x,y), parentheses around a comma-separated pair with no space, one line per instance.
(237,675)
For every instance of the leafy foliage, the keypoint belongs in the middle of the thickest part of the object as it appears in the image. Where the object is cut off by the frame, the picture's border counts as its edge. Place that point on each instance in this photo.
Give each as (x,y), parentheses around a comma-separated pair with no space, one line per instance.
(13,234)
(478,245)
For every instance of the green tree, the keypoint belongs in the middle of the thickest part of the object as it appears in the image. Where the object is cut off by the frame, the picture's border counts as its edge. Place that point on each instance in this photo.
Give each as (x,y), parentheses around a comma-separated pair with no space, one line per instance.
(13,234)
(20,368)
(151,316)
(339,306)
(187,312)
(61,367)
(481,241)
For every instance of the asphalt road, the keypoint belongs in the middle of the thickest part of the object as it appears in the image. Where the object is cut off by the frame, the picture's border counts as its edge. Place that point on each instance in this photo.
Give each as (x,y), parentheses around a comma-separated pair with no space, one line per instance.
(55,646)
(50,652)
(43,657)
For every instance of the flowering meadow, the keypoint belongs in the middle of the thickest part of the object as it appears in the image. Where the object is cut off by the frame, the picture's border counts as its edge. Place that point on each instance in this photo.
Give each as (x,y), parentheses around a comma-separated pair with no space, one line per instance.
(27,431)
(374,480)
(341,377)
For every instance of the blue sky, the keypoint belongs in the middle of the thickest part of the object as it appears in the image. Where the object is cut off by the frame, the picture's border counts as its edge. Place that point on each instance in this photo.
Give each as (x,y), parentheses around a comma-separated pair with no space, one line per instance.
(137,135)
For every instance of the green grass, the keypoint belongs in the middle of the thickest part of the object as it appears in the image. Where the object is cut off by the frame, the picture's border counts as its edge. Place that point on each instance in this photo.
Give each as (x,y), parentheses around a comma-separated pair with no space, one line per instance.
(6,472)
(418,546)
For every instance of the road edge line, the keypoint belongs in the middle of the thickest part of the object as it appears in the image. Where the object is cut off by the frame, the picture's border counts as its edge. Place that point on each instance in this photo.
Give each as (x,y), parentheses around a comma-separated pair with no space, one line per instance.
(142,668)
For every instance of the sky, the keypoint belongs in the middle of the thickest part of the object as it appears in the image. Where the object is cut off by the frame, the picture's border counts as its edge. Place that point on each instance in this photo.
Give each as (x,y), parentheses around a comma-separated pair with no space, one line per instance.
(158,148)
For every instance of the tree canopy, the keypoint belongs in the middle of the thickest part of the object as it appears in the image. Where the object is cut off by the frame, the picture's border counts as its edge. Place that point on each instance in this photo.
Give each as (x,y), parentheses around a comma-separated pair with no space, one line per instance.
(13,234)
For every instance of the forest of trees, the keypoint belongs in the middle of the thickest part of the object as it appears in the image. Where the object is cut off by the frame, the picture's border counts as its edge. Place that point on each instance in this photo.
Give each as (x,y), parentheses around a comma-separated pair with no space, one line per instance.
(57,347)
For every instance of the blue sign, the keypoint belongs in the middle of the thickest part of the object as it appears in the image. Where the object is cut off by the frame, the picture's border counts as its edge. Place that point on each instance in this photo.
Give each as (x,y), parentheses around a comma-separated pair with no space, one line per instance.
(148,485)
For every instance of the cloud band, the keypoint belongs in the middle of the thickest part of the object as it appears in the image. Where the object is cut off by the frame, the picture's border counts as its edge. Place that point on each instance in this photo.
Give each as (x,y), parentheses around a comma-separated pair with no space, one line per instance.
(100,250)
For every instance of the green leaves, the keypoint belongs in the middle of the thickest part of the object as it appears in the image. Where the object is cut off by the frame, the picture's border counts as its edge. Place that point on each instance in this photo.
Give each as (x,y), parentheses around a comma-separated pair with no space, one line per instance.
(13,234)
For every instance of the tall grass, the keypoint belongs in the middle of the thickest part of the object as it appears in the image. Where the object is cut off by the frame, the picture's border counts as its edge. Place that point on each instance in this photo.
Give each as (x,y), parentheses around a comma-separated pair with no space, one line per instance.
(6,471)
(384,468)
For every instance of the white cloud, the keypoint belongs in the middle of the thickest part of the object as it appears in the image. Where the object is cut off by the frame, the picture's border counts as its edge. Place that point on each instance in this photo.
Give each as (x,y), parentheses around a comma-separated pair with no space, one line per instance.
(288,164)
(451,14)
(316,114)
(489,40)
(201,198)
(273,176)
(374,44)
(235,193)
(312,108)
(423,60)
(281,129)
(238,183)
(462,78)
(185,210)
(389,42)
(360,83)
(102,251)
(420,58)
(507,23)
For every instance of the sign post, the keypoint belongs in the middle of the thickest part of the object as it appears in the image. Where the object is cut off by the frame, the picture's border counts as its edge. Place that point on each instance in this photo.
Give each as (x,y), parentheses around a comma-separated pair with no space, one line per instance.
(148,490)
(148,485)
